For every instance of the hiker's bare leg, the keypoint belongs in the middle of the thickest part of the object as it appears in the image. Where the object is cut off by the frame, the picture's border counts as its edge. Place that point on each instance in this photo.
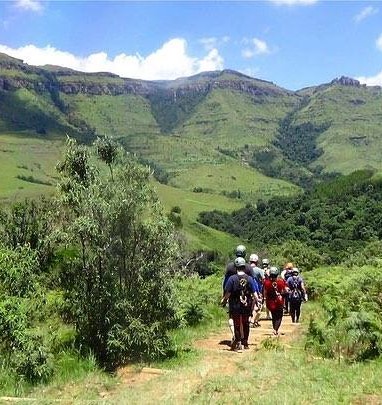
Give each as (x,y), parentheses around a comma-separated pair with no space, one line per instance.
(231,327)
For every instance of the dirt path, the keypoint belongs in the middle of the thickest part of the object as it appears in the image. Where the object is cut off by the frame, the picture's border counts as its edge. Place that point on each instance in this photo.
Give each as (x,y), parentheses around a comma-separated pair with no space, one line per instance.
(216,359)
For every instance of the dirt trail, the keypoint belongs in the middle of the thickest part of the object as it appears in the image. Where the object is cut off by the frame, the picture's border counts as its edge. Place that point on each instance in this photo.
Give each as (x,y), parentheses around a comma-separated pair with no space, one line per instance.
(216,359)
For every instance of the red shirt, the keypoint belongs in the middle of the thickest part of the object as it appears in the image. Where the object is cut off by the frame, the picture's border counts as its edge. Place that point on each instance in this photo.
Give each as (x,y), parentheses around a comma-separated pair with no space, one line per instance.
(273,289)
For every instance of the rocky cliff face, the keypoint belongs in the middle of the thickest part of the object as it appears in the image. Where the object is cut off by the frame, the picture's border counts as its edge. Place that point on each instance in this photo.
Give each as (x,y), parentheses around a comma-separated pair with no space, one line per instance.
(346,81)
(14,74)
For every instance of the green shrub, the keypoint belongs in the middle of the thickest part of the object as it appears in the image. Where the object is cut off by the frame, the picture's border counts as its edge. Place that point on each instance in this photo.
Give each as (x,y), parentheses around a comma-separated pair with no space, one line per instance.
(348,325)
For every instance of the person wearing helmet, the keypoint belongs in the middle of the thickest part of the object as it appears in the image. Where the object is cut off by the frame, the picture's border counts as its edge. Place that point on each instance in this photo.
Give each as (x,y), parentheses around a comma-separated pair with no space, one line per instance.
(285,274)
(287,271)
(258,275)
(274,290)
(240,251)
(265,264)
(241,293)
(297,294)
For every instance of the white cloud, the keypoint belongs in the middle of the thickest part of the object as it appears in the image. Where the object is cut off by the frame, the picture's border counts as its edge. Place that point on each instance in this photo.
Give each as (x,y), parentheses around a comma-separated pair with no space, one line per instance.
(247,53)
(255,46)
(372,80)
(364,13)
(261,47)
(379,42)
(293,2)
(168,62)
(210,43)
(213,61)
(29,5)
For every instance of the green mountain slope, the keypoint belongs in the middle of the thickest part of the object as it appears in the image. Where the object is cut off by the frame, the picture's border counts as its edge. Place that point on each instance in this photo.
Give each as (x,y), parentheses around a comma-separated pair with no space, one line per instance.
(353,139)
(219,133)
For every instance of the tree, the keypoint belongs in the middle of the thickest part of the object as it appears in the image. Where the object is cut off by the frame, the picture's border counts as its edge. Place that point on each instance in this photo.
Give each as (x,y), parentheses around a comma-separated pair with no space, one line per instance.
(119,250)
(107,151)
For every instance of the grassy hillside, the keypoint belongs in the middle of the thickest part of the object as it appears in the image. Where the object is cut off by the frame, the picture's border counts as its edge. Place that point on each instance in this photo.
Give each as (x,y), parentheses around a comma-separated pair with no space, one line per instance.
(127,116)
(27,165)
(230,120)
(354,137)
(26,109)
(219,134)
(199,236)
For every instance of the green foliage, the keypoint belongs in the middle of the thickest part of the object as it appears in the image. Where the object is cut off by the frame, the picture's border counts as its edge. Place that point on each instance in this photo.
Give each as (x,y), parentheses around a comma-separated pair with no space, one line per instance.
(195,297)
(331,220)
(298,142)
(175,217)
(171,108)
(116,279)
(158,171)
(107,151)
(271,344)
(271,162)
(31,359)
(19,269)
(304,256)
(22,348)
(349,324)
(76,166)
(29,223)
(32,179)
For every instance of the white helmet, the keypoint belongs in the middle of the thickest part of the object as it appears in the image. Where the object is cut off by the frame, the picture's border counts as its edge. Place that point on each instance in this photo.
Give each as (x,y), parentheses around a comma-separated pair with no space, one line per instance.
(239,262)
(254,258)
(240,251)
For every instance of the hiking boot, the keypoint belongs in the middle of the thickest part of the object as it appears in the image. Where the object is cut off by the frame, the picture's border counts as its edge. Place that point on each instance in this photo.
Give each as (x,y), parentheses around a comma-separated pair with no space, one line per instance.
(234,344)
(239,347)
(246,347)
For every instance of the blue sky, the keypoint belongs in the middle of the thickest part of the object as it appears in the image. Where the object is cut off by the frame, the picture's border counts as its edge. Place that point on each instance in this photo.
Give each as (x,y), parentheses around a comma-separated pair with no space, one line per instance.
(293,43)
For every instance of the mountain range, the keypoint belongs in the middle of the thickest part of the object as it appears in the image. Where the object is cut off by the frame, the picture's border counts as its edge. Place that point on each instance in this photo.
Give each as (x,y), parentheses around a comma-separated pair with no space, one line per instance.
(218,134)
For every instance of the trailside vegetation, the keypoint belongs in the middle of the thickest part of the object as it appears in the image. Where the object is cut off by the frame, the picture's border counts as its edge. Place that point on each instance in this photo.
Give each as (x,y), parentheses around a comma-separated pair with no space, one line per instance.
(348,324)
(89,272)
(332,220)
(116,272)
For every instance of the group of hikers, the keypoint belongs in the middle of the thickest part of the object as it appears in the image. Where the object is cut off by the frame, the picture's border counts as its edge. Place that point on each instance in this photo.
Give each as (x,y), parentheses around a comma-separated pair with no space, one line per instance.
(249,287)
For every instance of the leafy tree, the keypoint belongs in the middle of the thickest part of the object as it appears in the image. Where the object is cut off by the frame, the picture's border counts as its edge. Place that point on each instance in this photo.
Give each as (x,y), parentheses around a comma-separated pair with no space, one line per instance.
(297,252)
(107,151)
(29,223)
(120,251)
(22,347)
(330,220)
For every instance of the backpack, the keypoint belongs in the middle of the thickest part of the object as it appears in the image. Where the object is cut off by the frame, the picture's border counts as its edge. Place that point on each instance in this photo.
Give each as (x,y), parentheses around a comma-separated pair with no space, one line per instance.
(245,295)
(296,293)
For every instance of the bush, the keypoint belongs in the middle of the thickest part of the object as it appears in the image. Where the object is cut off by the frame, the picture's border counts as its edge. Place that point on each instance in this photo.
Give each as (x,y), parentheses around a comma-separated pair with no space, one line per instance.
(349,324)
(117,273)
(302,255)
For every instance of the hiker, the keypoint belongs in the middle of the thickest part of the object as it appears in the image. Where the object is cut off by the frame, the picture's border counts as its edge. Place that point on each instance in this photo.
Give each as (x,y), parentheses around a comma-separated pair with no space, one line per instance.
(258,275)
(297,294)
(285,274)
(240,251)
(274,290)
(240,292)
(265,264)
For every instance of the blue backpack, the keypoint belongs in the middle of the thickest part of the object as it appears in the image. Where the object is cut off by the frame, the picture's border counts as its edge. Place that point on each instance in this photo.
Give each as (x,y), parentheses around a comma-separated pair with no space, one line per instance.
(295,294)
